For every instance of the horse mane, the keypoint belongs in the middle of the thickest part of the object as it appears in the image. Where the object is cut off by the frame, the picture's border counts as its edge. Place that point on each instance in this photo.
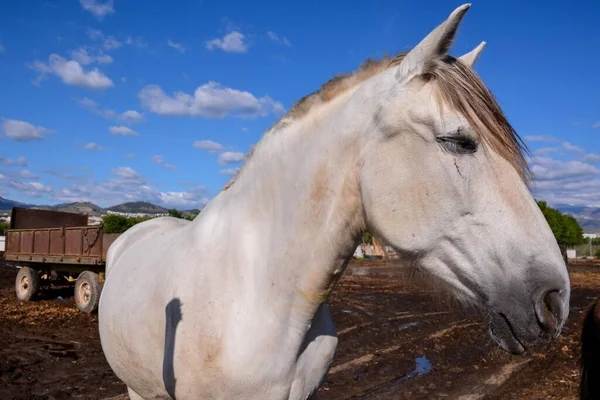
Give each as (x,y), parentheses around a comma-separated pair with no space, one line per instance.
(589,386)
(458,87)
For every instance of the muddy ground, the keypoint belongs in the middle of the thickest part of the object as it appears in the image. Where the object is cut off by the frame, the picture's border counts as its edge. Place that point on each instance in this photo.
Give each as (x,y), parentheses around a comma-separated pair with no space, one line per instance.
(396,340)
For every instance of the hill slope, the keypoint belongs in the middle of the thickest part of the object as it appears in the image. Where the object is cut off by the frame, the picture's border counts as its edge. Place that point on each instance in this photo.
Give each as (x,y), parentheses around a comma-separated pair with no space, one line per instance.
(588,217)
(7,204)
(138,207)
(78,207)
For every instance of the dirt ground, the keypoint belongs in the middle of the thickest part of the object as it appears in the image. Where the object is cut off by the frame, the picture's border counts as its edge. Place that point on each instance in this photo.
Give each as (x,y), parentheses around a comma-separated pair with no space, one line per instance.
(397,339)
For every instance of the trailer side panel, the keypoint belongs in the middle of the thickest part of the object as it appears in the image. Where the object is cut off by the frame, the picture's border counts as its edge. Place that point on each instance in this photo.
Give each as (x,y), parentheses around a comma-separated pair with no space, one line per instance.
(28,218)
(72,245)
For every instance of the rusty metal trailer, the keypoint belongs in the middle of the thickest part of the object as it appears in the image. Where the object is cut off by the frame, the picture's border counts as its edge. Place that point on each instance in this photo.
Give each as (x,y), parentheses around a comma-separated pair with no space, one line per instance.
(54,247)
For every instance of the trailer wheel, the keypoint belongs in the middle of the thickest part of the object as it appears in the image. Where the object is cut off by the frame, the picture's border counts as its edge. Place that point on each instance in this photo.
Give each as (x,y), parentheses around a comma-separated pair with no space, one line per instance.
(27,283)
(87,291)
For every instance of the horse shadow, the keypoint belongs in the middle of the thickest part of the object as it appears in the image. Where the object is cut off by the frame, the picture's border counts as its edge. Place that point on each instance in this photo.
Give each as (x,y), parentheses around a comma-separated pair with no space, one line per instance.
(173,317)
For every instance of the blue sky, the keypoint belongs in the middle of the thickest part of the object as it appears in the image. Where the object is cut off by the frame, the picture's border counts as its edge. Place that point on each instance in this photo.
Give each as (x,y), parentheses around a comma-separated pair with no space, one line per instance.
(112,101)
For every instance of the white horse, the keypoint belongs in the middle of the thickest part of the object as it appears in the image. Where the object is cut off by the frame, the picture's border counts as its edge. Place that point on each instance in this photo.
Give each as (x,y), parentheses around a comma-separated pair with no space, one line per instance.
(414,148)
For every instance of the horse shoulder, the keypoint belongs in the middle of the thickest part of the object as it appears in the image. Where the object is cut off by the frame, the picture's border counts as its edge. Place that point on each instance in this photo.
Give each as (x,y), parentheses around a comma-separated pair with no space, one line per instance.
(137,233)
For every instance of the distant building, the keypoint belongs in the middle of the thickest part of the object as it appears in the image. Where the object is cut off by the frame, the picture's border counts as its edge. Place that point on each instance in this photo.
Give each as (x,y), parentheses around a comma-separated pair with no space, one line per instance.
(93,220)
(125,214)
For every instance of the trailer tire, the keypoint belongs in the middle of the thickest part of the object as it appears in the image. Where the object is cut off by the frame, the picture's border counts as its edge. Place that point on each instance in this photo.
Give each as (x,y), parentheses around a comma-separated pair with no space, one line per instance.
(27,284)
(87,291)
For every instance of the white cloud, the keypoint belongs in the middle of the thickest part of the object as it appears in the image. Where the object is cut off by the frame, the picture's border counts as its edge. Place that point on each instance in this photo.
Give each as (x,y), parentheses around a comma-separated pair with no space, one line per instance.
(95,34)
(208,145)
(229,171)
(93,146)
(130,155)
(592,157)
(97,7)
(210,100)
(177,46)
(110,43)
(131,117)
(7,162)
(127,184)
(31,189)
(230,157)
(66,174)
(545,150)
(82,56)
(22,131)
(158,159)
(244,129)
(71,73)
(107,42)
(596,125)
(233,42)
(104,59)
(571,147)
(26,174)
(545,168)
(122,131)
(567,181)
(127,174)
(137,41)
(93,107)
(540,138)
(275,38)
(578,192)
(20,174)
(194,198)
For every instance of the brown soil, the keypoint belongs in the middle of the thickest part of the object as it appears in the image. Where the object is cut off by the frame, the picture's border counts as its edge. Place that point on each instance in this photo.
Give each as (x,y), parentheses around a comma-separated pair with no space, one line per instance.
(50,350)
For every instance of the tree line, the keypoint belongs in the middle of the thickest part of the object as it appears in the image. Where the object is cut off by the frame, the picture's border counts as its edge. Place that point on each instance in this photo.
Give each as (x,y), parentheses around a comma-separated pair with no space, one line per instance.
(115,223)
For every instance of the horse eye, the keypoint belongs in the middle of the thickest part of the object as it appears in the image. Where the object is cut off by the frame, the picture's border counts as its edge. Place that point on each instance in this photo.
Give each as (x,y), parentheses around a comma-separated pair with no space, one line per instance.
(458,144)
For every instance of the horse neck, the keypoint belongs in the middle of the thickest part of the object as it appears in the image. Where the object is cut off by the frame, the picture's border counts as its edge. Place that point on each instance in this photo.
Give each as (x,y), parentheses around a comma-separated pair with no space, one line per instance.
(298,201)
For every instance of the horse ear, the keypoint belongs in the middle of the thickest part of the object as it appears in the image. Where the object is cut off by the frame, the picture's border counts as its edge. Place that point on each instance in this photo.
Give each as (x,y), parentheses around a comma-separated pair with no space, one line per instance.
(425,56)
(471,57)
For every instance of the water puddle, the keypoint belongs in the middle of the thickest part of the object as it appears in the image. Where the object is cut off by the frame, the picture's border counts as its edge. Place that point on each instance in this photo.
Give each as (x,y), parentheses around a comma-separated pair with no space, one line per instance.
(407,325)
(61,350)
(423,367)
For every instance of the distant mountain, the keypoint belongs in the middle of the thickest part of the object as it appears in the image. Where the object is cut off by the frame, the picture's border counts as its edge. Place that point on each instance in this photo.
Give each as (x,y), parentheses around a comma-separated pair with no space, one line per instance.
(6,204)
(138,207)
(588,217)
(79,207)
(89,208)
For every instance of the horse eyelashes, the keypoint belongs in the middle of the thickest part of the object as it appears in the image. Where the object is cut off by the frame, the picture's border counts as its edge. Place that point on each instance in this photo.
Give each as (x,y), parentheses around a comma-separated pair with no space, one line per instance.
(459,145)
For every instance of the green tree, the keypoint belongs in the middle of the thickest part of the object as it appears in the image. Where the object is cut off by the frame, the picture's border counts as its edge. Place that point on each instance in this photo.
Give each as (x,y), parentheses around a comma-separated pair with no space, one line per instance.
(114,223)
(191,216)
(565,228)
(175,213)
(3,227)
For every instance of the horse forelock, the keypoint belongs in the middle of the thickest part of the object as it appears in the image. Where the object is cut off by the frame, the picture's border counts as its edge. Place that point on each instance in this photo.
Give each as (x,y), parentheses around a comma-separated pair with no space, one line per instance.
(459,88)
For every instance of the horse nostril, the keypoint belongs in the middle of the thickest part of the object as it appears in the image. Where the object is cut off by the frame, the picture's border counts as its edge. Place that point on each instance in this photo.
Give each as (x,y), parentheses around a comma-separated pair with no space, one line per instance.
(549,311)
